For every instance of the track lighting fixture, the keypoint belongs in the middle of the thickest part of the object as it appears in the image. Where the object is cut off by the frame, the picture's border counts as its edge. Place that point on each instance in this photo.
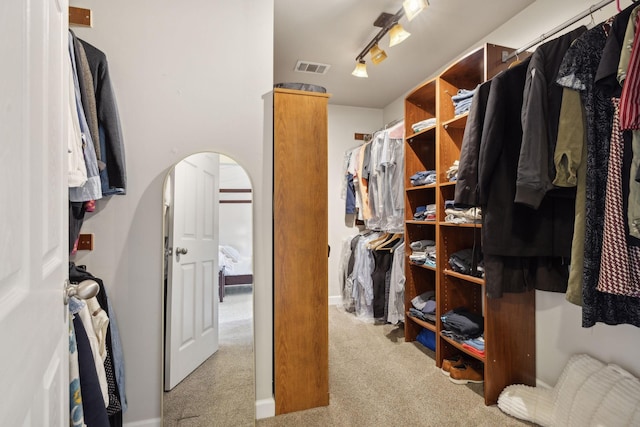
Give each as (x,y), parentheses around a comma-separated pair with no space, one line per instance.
(413,7)
(388,24)
(377,55)
(397,35)
(361,69)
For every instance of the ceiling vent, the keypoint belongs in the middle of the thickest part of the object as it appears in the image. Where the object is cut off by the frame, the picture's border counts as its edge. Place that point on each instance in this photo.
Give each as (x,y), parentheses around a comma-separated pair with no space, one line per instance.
(312,67)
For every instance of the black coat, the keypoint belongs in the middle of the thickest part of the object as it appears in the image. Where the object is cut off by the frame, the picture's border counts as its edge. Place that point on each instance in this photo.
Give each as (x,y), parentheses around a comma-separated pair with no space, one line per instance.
(509,228)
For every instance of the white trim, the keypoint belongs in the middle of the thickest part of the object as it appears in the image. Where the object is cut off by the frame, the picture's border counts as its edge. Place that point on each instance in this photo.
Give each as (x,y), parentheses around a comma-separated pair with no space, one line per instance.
(265,408)
(154,422)
(542,384)
(335,300)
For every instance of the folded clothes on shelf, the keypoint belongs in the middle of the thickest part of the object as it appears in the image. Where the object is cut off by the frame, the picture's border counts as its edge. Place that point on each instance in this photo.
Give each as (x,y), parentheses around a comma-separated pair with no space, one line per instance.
(467,262)
(423,124)
(423,178)
(418,258)
(461,324)
(425,213)
(462,215)
(462,100)
(421,245)
(452,172)
(425,302)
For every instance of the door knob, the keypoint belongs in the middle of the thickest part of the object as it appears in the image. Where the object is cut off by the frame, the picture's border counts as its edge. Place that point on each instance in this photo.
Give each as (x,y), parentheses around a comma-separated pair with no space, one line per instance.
(83,290)
(180,251)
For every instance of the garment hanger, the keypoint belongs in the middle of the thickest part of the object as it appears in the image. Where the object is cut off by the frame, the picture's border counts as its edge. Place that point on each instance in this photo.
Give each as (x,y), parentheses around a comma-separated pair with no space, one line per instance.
(593,21)
(375,242)
(390,243)
(515,62)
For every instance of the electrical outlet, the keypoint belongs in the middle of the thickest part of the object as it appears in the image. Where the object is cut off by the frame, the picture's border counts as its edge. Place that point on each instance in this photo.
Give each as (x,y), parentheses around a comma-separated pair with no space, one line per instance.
(85,242)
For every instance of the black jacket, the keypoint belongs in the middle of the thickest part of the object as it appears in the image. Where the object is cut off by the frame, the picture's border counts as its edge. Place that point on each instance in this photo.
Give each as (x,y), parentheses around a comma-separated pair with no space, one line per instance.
(509,228)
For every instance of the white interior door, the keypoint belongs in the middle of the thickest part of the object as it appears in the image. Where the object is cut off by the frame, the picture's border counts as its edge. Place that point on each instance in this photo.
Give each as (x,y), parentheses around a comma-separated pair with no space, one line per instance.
(34,334)
(192,302)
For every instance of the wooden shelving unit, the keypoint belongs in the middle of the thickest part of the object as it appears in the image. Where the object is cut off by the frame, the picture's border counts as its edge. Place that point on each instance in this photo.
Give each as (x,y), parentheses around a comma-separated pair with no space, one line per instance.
(509,322)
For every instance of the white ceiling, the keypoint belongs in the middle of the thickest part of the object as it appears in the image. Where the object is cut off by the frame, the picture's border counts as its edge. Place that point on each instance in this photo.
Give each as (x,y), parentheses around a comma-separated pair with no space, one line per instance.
(334,32)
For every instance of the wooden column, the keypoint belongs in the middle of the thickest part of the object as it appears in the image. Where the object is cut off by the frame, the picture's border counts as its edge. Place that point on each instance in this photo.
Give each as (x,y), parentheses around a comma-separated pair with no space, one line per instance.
(300,251)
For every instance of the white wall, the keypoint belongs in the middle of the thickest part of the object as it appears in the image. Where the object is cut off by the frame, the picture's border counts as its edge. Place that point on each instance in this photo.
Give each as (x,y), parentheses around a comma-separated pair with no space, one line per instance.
(344,122)
(182,87)
(559,333)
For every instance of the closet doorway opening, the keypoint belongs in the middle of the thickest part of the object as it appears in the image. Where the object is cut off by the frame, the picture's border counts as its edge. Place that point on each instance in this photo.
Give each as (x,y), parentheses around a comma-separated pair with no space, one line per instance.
(208,291)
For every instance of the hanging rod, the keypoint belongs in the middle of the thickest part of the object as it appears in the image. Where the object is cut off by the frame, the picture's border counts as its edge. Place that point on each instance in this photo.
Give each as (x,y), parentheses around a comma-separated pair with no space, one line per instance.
(507,56)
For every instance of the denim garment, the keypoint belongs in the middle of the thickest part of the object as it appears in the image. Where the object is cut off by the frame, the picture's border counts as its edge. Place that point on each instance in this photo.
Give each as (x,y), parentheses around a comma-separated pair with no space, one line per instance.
(462,95)
(350,205)
(423,178)
(463,106)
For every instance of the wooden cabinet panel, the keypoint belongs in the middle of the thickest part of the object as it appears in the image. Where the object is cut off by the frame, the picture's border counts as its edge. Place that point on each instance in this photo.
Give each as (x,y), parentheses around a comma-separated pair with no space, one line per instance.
(300,251)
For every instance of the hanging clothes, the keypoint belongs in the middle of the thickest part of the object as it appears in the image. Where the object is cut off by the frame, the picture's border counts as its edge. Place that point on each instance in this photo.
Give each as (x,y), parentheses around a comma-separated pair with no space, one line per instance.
(76,415)
(91,189)
(373,180)
(620,263)
(395,306)
(114,176)
(571,171)
(542,99)
(466,191)
(579,71)
(102,320)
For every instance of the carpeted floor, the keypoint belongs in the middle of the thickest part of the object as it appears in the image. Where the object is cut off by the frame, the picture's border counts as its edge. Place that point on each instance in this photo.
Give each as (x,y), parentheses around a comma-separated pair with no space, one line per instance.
(220,392)
(375,379)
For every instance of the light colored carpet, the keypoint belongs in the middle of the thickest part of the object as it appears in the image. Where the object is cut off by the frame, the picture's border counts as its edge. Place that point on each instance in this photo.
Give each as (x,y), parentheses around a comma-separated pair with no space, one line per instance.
(220,392)
(375,379)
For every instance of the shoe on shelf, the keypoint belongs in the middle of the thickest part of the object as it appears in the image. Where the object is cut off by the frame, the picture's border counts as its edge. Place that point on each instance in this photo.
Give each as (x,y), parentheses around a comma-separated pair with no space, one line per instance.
(465,373)
(448,362)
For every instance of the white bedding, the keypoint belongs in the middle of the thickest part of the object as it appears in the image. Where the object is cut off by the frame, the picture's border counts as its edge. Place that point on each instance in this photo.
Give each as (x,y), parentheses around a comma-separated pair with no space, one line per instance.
(232,262)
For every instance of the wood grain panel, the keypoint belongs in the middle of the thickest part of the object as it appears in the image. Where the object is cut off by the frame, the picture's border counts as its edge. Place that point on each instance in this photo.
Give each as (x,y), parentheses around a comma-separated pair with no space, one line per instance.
(79,16)
(510,335)
(300,251)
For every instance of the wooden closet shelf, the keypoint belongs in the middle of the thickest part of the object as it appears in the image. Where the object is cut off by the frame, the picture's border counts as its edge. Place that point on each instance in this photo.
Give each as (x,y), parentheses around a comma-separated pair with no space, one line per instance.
(420,222)
(422,133)
(466,277)
(454,225)
(426,267)
(426,325)
(459,346)
(421,187)
(458,122)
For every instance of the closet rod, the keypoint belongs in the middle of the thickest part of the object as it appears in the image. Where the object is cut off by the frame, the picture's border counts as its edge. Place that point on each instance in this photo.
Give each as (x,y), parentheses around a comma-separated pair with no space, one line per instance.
(507,56)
